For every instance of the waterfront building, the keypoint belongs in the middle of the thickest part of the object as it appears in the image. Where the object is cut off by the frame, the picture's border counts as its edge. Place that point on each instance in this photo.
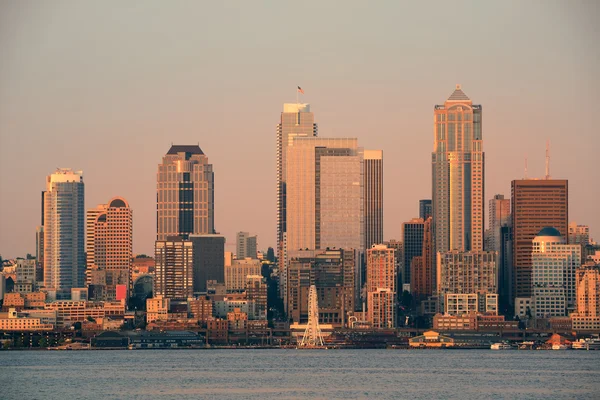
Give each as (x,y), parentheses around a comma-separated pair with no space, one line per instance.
(467,273)
(587,287)
(12,321)
(332,273)
(412,236)
(373,197)
(245,246)
(64,232)
(110,244)
(535,204)
(227,305)
(185,193)
(201,308)
(208,260)
(174,276)
(296,121)
(458,175)
(381,286)
(157,309)
(237,272)
(431,339)
(69,312)
(381,312)
(553,276)
(425,209)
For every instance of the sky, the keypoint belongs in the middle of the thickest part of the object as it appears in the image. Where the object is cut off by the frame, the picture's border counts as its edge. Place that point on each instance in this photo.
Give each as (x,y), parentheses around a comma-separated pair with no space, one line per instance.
(106,87)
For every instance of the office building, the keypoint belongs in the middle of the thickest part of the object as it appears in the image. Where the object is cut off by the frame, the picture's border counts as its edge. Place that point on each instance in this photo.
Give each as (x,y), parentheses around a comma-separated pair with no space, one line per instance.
(209,260)
(39,252)
(245,246)
(174,272)
(64,232)
(499,216)
(422,277)
(237,271)
(535,204)
(296,121)
(373,197)
(458,175)
(412,236)
(553,276)
(466,273)
(425,209)
(25,272)
(110,244)
(587,288)
(256,293)
(185,193)
(332,273)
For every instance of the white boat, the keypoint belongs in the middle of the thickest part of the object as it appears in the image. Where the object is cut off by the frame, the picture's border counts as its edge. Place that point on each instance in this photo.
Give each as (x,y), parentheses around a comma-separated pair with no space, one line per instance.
(501,346)
(580,344)
(560,347)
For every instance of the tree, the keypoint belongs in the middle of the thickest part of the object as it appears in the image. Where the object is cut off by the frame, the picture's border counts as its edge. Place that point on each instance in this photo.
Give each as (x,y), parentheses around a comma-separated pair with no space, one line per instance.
(77,326)
(43,342)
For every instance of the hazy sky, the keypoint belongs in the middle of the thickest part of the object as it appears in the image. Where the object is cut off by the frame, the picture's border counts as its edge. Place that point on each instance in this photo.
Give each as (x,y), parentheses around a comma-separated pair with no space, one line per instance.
(106,86)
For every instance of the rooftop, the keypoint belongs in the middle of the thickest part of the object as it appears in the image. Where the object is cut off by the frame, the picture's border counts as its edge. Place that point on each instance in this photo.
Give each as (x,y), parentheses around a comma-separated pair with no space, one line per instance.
(458,95)
(191,149)
(549,231)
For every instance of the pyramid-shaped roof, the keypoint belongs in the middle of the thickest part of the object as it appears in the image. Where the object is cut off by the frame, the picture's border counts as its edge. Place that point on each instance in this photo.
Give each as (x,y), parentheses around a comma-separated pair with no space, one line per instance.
(458,95)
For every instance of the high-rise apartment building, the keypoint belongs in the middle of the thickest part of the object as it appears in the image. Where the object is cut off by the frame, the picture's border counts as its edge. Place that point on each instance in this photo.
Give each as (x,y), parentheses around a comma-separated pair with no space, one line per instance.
(412,236)
(381,286)
(553,275)
(373,197)
(535,204)
(465,273)
(296,121)
(587,288)
(458,175)
(185,193)
(245,246)
(110,244)
(209,260)
(332,273)
(256,292)
(422,277)
(237,271)
(64,232)
(174,272)
(425,209)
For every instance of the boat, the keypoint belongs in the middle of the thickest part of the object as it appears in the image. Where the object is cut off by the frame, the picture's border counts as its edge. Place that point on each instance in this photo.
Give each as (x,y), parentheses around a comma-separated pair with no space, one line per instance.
(560,347)
(501,346)
(592,343)
(580,344)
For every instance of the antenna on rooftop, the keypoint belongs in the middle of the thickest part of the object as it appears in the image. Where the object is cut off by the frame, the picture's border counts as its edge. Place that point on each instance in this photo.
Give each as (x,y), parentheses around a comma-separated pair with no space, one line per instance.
(548,159)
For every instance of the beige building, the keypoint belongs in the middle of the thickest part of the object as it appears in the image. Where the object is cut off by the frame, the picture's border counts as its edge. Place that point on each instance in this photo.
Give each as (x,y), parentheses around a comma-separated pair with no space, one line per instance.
(458,178)
(25,273)
(110,245)
(381,311)
(473,273)
(11,321)
(579,234)
(174,274)
(69,312)
(256,292)
(381,268)
(237,272)
(185,193)
(157,309)
(587,282)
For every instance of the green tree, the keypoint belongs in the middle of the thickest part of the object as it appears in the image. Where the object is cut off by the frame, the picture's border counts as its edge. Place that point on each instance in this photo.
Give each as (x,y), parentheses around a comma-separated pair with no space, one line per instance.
(43,342)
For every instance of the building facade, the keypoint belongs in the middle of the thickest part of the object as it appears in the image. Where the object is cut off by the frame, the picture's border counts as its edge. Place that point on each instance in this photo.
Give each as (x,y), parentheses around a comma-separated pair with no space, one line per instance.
(381,286)
(579,234)
(412,236)
(245,246)
(535,204)
(64,232)
(237,271)
(174,272)
(587,288)
(185,193)
(373,197)
(458,175)
(499,216)
(553,274)
(208,260)
(425,209)
(422,276)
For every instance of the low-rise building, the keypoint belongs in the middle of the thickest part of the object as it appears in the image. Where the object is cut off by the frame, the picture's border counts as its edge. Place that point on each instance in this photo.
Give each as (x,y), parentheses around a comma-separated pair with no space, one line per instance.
(68,311)
(12,321)
(157,309)
(431,339)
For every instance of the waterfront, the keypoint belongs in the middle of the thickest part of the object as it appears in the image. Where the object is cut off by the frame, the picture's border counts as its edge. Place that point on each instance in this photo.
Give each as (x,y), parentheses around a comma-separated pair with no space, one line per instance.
(288,374)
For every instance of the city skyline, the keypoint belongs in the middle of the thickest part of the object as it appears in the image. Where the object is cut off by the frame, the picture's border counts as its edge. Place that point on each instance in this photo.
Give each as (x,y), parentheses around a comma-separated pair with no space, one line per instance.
(158,109)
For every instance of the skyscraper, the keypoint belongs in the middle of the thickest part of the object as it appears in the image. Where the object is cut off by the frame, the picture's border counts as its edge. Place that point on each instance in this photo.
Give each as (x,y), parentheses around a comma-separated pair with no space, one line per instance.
(208,260)
(412,236)
(381,286)
(64,233)
(587,289)
(373,197)
(499,217)
(296,121)
(110,243)
(185,193)
(458,175)
(245,246)
(535,204)
(422,276)
(553,274)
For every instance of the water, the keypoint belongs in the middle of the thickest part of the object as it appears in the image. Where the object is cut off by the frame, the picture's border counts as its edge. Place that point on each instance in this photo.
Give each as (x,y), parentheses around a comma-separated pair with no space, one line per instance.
(290,374)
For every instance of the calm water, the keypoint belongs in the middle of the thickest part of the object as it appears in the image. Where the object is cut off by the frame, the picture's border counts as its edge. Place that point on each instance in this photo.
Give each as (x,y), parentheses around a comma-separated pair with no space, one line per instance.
(289,374)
